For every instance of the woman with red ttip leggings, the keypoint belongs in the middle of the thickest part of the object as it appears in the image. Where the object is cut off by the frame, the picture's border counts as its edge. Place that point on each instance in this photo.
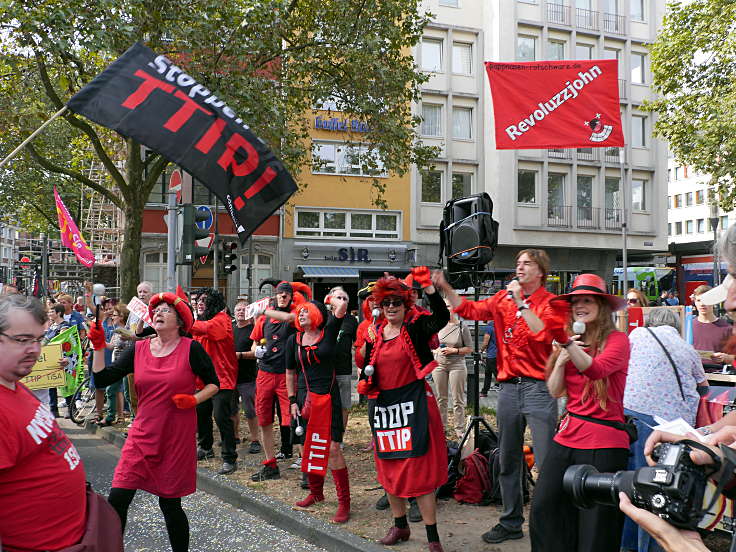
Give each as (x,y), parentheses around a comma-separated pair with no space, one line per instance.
(160,453)
(590,368)
(311,354)
(411,461)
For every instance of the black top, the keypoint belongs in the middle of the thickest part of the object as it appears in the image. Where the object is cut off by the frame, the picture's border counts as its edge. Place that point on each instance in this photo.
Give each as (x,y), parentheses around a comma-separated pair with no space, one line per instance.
(199,360)
(317,360)
(276,334)
(247,367)
(344,349)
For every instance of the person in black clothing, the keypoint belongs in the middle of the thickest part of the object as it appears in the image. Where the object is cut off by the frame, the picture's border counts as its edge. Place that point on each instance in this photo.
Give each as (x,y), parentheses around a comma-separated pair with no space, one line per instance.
(344,352)
(246,383)
(311,353)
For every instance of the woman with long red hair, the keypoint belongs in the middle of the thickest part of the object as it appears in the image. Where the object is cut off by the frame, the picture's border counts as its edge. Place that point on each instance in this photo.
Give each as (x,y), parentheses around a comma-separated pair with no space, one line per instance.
(590,369)
(410,450)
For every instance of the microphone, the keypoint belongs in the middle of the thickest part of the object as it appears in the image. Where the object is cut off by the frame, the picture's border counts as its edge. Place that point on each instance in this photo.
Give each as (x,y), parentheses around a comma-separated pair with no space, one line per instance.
(98,290)
(578,327)
(509,293)
(375,313)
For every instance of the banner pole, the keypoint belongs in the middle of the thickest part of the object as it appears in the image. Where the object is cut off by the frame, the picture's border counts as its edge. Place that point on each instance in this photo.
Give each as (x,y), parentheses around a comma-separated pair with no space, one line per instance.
(214,250)
(32,136)
(171,243)
(624,222)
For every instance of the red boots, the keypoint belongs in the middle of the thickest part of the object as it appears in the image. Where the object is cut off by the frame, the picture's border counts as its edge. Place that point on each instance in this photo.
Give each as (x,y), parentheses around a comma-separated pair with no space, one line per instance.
(342,486)
(316,486)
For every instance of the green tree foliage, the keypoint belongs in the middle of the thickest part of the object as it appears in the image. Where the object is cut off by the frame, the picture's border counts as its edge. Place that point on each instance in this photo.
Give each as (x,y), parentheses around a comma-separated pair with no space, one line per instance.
(272,60)
(694,68)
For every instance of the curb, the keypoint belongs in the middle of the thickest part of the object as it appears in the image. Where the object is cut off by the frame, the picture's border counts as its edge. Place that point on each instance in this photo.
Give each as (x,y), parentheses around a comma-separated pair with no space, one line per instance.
(275,512)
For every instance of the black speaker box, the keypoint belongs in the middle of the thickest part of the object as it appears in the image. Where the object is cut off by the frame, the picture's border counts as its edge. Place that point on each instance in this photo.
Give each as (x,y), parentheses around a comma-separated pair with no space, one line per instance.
(468,233)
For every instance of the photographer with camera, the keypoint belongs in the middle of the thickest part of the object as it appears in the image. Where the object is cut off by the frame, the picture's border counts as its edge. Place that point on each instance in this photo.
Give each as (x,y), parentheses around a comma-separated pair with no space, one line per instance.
(590,368)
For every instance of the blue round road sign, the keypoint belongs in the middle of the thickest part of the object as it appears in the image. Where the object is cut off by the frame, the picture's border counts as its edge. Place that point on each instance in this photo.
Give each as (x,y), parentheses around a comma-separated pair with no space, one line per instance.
(205,224)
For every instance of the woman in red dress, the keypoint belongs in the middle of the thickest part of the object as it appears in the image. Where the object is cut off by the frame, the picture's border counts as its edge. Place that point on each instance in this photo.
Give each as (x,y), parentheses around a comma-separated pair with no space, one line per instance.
(160,453)
(410,449)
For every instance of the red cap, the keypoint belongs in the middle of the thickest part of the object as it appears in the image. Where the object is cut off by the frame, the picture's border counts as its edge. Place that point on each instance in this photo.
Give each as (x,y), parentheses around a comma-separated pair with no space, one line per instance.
(592,284)
(182,307)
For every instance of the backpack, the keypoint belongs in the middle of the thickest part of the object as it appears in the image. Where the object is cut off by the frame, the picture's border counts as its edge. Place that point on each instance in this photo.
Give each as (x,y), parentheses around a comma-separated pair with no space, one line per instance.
(494,462)
(474,487)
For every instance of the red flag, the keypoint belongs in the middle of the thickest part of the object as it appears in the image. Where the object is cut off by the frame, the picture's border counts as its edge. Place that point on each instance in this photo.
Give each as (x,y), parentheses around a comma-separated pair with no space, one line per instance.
(71,237)
(556,104)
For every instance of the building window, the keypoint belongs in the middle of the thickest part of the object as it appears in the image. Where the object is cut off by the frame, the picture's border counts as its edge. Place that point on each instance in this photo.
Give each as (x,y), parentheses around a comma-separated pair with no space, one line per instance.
(669,228)
(583,51)
(526,48)
(462,123)
(431,119)
(637,68)
(678,228)
(330,103)
(154,269)
(689,199)
(431,186)
(526,187)
(677,173)
(345,159)
(260,269)
(432,55)
(724,222)
(555,194)
(701,226)
(699,197)
(450,3)
(669,202)
(638,131)
(612,199)
(462,58)
(639,195)
(689,226)
(461,184)
(585,197)
(159,192)
(555,50)
(348,224)
(637,10)
(678,201)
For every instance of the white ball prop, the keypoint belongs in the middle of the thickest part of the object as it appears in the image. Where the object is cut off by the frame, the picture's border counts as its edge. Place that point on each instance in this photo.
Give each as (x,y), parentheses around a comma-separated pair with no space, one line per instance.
(376,313)
(368,370)
(578,327)
(98,290)
(299,431)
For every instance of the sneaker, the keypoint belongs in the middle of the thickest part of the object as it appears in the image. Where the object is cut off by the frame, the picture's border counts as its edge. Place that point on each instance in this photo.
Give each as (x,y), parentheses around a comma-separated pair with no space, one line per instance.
(255,447)
(382,503)
(282,456)
(415,516)
(266,472)
(205,454)
(495,387)
(296,464)
(499,533)
(227,467)
(483,395)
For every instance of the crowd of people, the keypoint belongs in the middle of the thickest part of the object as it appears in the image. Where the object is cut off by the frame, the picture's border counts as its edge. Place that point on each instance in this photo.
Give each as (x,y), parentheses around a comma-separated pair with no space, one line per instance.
(193,360)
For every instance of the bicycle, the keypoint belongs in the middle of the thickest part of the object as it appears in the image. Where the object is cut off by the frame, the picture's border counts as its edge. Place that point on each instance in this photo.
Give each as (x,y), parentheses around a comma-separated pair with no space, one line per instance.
(82,405)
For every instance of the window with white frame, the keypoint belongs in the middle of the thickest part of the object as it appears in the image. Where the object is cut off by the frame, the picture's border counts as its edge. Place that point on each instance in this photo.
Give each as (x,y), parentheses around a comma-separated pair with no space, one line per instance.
(689,226)
(526,48)
(678,228)
(699,197)
(639,197)
(637,67)
(461,184)
(638,131)
(555,49)
(154,269)
(382,225)
(669,228)
(526,189)
(689,199)
(345,159)
(432,55)
(583,51)
(462,123)
(700,226)
(431,119)
(431,186)
(462,58)
(450,3)
(637,8)
(724,222)
(260,269)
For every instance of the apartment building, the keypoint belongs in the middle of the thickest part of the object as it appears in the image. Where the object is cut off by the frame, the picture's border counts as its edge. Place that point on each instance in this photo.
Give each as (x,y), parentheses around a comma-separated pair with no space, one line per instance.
(571,202)
(8,252)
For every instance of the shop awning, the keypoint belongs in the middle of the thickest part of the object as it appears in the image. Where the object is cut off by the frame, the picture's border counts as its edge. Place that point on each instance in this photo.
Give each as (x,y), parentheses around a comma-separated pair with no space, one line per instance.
(329,271)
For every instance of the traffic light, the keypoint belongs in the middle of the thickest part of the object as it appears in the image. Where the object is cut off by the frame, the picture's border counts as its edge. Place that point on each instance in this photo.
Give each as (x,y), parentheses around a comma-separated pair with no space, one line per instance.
(229,257)
(190,233)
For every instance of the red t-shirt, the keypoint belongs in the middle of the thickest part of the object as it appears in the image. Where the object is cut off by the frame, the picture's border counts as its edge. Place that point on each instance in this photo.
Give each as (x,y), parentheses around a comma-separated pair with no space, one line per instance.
(520,352)
(42,481)
(613,363)
(216,336)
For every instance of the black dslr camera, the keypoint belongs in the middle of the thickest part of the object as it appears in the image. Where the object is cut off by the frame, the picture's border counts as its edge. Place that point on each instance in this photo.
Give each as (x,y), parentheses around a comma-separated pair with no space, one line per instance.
(673,488)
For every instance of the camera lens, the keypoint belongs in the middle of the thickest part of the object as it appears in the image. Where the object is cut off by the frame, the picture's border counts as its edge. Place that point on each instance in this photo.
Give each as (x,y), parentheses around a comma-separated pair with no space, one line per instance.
(588,486)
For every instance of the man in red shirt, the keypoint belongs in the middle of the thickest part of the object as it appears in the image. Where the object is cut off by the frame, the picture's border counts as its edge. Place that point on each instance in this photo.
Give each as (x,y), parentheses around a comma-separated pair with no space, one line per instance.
(34,452)
(525,325)
(214,330)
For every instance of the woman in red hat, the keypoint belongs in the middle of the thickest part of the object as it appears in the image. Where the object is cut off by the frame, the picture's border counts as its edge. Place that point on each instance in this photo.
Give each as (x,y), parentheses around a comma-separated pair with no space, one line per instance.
(590,369)
(160,453)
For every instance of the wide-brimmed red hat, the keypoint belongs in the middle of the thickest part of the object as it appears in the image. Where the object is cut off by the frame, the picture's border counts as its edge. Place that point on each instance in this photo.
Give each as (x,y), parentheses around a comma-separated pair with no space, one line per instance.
(182,307)
(591,284)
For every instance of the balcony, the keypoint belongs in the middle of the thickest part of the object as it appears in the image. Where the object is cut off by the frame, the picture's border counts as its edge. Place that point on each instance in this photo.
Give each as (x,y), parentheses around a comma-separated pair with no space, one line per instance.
(611,155)
(587,154)
(558,13)
(613,23)
(588,218)
(586,19)
(612,219)
(622,89)
(559,216)
(560,153)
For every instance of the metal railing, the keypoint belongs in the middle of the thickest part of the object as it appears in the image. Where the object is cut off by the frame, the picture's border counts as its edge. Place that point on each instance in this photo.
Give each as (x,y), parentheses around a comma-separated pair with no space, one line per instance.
(586,19)
(560,153)
(558,13)
(611,155)
(588,217)
(612,219)
(613,23)
(622,89)
(559,215)
(587,154)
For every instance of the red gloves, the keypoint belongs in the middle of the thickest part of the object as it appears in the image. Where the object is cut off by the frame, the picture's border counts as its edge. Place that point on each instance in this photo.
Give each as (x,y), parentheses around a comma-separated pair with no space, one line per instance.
(96,336)
(184,401)
(365,387)
(421,276)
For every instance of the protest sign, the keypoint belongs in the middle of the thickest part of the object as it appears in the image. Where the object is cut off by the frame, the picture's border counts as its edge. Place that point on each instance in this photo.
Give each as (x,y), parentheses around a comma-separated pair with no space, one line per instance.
(46,373)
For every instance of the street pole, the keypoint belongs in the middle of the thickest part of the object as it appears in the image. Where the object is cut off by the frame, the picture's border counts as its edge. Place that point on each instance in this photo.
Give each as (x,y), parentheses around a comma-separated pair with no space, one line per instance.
(250,269)
(171,244)
(214,250)
(714,220)
(624,229)
(44,262)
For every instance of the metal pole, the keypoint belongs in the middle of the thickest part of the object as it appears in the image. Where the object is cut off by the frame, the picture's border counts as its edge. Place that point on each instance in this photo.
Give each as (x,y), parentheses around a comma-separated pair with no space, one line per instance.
(250,269)
(214,250)
(171,244)
(624,220)
(44,262)
(714,220)
(32,136)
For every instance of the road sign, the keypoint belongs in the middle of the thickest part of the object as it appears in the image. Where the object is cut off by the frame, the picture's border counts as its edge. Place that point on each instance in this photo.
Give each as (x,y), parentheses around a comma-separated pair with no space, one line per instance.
(175,184)
(205,224)
(206,242)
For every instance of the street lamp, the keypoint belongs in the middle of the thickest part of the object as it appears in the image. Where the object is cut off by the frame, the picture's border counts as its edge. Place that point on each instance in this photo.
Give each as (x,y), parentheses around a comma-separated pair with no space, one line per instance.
(714,226)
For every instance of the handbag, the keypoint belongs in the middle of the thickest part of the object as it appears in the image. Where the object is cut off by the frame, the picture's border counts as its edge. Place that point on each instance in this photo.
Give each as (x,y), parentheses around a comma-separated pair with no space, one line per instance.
(666,352)
(627,425)
(102,529)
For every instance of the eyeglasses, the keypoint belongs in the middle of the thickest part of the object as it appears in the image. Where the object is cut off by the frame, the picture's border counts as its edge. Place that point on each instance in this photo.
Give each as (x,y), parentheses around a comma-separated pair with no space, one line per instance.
(22,340)
(392,303)
(163,310)
(632,301)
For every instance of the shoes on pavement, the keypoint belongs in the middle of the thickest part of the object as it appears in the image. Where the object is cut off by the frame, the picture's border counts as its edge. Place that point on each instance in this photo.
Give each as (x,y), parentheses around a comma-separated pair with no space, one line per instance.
(282,456)
(395,535)
(227,467)
(415,516)
(266,472)
(205,454)
(499,533)
(296,464)
(255,447)
(435,547)
(382,503)
(495,387)
(483,395)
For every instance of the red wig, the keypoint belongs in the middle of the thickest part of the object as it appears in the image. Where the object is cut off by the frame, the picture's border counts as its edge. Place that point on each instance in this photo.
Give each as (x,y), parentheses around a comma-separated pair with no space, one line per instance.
(316,318)
(390,286)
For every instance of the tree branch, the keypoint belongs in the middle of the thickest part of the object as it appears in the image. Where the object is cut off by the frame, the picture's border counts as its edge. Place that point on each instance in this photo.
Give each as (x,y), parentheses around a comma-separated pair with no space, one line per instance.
(52,221)
(154,172)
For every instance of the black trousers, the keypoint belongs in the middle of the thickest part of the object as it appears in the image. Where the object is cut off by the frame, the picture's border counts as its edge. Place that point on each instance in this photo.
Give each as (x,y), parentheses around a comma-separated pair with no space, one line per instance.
(555,523)
(221,405)
(490,373)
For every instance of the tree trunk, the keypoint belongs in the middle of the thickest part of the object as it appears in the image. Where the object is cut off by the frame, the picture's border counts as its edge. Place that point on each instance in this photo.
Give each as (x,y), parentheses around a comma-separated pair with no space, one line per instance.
(130,260)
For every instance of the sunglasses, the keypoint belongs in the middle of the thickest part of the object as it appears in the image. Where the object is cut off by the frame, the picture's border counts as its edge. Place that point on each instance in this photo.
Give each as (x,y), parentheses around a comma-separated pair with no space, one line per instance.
(632,301)
(392,303)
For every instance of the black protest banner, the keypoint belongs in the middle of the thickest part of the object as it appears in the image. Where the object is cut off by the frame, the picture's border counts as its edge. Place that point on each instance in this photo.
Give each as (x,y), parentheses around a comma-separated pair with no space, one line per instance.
(146,97)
